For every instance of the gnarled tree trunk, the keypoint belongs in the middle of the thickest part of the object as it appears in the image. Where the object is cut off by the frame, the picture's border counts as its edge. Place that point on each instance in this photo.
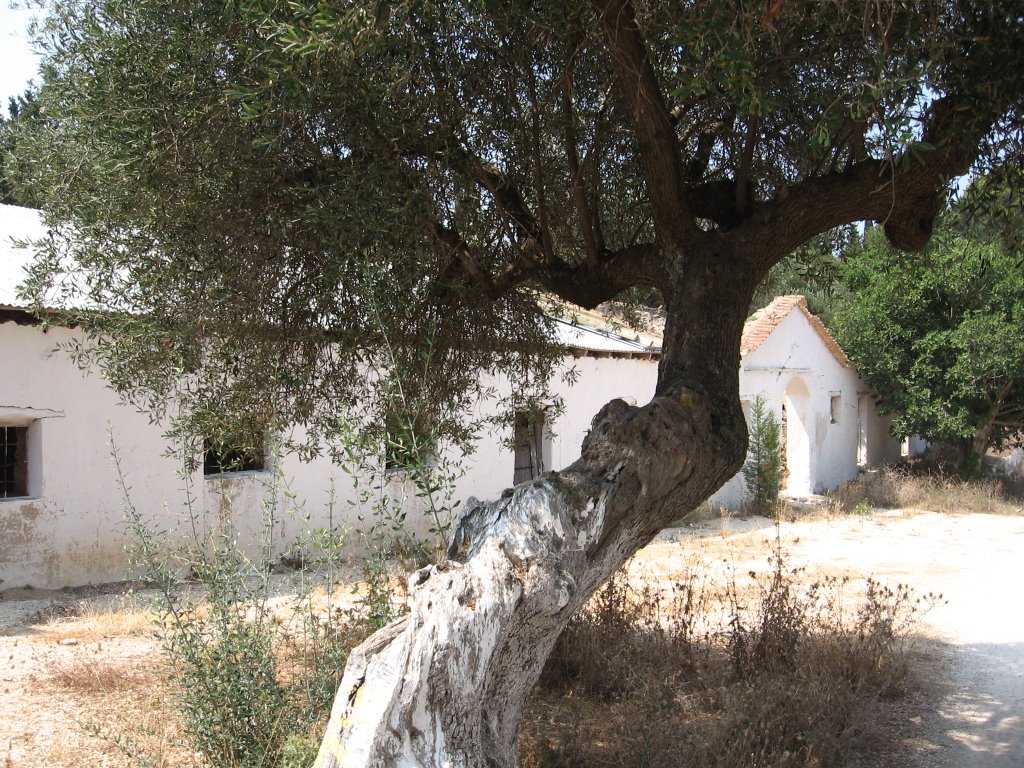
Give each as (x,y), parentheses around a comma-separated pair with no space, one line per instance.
(447,684)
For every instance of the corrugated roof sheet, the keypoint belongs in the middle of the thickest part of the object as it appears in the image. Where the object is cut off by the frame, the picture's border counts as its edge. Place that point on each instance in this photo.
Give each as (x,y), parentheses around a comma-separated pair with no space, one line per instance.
(585,337)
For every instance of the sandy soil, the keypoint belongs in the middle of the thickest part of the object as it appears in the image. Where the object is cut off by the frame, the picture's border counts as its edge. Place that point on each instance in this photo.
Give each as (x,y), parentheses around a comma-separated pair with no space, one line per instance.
(975,718)
(61,681)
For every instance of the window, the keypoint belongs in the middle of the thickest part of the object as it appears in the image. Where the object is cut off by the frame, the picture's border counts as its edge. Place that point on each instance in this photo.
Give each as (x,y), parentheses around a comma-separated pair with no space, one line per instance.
(408,444)
(530,444)
(834,406)
(219,458)
(13,462)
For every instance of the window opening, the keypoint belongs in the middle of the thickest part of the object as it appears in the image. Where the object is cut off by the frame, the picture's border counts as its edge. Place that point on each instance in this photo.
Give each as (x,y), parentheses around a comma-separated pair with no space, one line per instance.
(13,462)
(219,459)
(529,446)
(834,407)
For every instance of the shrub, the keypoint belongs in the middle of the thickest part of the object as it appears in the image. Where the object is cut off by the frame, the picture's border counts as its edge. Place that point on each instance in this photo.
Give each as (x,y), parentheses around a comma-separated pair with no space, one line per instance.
(906,487)
(253,685)
(762,472)
(789,679)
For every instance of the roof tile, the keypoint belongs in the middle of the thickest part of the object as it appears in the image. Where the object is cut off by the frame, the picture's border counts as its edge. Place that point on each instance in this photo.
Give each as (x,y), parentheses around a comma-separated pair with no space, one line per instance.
(767,319)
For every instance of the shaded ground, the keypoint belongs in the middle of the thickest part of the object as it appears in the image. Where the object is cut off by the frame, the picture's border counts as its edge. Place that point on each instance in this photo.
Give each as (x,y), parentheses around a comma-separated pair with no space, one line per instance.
(975,659)
(62,680)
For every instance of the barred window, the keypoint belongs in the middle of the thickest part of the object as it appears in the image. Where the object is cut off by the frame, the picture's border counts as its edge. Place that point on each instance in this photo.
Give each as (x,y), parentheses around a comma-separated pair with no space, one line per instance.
(13,462)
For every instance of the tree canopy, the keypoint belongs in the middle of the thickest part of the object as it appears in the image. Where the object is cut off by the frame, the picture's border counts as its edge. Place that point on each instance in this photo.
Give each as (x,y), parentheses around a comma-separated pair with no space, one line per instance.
(289,208)
(20,109)
(938,334)
(265,195)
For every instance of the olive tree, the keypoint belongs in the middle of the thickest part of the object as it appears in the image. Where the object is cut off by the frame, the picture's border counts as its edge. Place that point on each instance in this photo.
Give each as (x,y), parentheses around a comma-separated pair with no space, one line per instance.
(291,206)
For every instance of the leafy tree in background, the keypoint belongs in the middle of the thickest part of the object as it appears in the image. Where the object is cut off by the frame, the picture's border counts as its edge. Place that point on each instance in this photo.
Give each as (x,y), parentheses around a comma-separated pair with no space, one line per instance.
(938,334)
(21,111)
(813,270)
(283,206)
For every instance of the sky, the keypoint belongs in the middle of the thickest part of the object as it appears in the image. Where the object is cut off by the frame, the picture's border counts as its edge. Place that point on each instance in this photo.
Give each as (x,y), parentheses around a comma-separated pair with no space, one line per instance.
(18,64)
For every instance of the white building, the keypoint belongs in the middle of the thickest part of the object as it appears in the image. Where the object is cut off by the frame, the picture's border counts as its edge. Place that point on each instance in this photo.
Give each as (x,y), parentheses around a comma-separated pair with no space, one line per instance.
(830,426)
(62,513)
(62,500)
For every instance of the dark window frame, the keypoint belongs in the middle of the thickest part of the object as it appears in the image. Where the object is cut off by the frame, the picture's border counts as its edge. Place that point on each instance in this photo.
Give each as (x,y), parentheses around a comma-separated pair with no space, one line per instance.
(13,461)
(221,460)
(529,438)
(835,407)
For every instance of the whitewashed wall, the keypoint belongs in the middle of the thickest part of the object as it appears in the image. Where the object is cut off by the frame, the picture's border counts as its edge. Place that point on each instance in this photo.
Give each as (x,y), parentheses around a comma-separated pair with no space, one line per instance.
(72,530)
(489,469)
(794,366)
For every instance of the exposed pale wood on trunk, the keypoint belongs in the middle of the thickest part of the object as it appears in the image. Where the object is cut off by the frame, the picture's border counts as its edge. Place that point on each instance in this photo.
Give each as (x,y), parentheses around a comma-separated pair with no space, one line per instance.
(446,685)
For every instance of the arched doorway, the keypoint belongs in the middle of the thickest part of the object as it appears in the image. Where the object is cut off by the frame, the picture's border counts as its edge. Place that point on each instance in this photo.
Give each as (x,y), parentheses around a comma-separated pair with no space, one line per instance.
(796,437)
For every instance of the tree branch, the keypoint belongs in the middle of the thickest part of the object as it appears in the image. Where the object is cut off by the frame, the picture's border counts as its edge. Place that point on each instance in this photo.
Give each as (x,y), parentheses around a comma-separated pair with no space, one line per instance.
(907,201)
(674,224)
(746,161)
(579,194)
(464,259)
(615,272)
(538,170)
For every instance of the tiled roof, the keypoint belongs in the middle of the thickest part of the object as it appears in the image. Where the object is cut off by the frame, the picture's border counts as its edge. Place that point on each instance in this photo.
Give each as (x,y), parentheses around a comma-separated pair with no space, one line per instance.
(760,326)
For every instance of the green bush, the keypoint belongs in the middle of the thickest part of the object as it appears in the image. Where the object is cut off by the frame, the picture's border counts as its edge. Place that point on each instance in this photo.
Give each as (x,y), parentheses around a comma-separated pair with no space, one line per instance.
(763,469)
(233,706)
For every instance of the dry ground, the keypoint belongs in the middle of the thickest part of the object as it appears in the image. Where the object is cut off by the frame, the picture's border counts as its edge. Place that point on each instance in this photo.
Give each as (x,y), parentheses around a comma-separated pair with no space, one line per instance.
(89,689)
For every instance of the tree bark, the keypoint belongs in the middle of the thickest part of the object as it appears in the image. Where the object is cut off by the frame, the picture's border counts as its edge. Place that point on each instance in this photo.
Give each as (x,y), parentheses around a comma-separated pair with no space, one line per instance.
(447,684)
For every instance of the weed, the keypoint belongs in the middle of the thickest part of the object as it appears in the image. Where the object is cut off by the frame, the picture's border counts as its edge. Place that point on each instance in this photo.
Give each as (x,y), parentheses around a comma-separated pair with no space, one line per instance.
(789,679)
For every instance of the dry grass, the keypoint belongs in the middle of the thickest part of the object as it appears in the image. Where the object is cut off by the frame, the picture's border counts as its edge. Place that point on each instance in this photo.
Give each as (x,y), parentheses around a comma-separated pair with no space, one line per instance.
(150,735)
(123,705)
(788,679)
(92,620)
(765,671)
(906,488)
(93,675)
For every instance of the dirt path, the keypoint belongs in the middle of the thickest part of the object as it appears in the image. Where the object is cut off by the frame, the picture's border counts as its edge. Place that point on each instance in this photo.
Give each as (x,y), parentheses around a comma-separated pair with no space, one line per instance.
(49,673)
(977,563)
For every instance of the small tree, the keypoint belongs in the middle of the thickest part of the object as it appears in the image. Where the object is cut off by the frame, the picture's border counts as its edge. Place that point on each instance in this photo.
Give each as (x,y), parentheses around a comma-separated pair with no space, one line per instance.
(763,471)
